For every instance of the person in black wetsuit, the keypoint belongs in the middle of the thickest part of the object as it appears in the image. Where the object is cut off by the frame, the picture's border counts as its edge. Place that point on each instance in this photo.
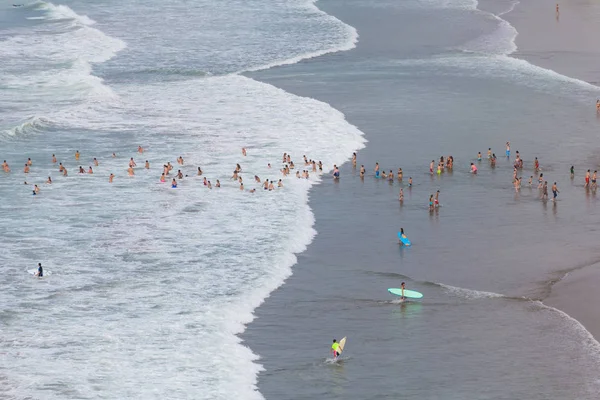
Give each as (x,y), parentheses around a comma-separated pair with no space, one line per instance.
(40,271)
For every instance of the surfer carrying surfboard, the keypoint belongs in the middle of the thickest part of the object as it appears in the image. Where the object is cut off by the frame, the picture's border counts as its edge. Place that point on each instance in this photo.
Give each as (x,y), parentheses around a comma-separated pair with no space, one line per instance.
(40,271)
(334,349)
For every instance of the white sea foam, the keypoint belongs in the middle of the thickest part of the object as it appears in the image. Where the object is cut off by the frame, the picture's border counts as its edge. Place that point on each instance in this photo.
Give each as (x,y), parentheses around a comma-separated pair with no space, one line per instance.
(499,42)
(349,43)
(586,338)
(64,13)
(149,278)
(469,293)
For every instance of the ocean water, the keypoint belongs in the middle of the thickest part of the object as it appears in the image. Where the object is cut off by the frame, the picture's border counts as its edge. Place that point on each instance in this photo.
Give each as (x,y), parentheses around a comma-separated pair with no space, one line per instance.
(149,284)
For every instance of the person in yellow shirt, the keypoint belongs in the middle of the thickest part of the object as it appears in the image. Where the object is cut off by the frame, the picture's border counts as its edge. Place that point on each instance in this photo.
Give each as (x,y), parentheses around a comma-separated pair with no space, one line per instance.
(334,349)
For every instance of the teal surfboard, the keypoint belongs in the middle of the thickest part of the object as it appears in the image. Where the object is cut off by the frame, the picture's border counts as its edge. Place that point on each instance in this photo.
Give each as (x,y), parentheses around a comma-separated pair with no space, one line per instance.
(407,293)
(404,240)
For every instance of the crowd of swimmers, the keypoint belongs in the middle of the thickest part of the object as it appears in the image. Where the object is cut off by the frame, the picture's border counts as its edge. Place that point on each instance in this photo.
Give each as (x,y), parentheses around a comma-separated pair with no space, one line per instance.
(316,167)
(312,167)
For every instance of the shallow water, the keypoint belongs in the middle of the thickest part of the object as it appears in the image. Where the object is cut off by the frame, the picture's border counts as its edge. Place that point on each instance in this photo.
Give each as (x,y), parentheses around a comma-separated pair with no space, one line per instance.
(484,260)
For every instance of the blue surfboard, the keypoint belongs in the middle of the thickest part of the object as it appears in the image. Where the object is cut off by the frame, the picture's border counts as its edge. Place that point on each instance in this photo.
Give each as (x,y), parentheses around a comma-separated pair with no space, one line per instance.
(404,240)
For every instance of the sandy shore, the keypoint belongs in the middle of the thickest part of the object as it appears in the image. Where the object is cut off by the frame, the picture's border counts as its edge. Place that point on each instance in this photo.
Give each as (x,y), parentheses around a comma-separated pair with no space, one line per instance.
(568,44)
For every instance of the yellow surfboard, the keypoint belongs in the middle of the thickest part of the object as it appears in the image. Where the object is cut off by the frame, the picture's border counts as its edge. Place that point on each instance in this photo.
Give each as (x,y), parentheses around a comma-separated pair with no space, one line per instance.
(342,343)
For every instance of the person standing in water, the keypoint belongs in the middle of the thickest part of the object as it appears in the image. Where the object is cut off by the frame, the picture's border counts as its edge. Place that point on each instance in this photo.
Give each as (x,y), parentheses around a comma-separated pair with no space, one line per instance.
(431,203)
(334,349)
(376,170)
(336,172)
(402,235)
(587,179)
(554,191)
(354,160)
(572,171)
(401,195)
(473,168)
(545,191)
(508,149)
(40,271)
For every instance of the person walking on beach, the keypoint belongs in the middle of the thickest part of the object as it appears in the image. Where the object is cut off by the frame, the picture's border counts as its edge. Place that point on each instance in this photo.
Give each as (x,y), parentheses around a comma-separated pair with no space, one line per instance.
(554,191)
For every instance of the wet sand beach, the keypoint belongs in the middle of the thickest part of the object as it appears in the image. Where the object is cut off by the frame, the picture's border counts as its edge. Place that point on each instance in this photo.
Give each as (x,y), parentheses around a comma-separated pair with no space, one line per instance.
(568,45)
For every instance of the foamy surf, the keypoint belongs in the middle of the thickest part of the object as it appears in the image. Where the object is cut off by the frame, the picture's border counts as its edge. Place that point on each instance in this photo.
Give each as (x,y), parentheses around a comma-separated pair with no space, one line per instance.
(350,35)
(468,293)
(169,277)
